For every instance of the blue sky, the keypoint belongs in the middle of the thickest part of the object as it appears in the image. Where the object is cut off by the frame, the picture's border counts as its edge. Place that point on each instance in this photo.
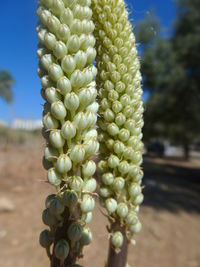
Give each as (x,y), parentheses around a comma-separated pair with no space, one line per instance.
(19,42)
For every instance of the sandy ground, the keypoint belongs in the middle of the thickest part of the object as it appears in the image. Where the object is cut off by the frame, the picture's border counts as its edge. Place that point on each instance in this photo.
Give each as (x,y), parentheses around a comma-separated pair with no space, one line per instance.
(170,214)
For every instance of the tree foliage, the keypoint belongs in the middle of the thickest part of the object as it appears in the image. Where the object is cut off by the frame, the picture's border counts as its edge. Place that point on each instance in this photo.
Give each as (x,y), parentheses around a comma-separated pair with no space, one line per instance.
(6,83)
(171,70)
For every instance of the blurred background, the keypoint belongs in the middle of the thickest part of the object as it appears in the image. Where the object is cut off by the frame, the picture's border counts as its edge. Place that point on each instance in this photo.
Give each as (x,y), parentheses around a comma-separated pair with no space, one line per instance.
(168,37)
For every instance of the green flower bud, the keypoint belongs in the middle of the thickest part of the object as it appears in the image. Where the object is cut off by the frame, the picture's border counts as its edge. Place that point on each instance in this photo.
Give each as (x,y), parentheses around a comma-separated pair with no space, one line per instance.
(56,139)
(87,217)
(86,96)
(68,130)
(105,191)
(91,146)
(122,210)
(63,32)
(128,153)
(49,199)
(70,198)
(93,107)
(52,95)
(111,205)
(63,164)
(46,238)
(66,16)
(87,203)
(116,106)
(137,157)
(53,23)
(91,118)
(49,40)
(138,200)
(118,147)
(59,50)
(113,95)
(134,190)
(112,129)
(123,167)
(120,119)
(76,183)
(80,121)
(117,239)
(77,153)
(57,7)
(68,64)
(77,79)
(118,184)
(133,171)
(90,185)
(73,43)
(53,177)
(132,218)
(48,218)
(128,111)
(58,110)
(107,178)
(109,115)
(64,85)
(56,207)
(55,72)
(91,54)
(47,60)
(86,237)
(46,82)
(135,228)
(50,122)
(74,232)
(61,249)
(71,101)
(80,59)
(89,168)
(113,161)
(124,135)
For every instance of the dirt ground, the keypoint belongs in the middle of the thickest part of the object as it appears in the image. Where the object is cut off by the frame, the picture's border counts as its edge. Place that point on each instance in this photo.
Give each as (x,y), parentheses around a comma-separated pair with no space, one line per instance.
(170,214)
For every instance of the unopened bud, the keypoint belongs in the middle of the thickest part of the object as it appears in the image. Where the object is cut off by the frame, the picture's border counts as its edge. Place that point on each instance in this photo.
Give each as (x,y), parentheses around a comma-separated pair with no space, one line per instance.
(63,164)
(89,168)
(117,239)
(68,130)
(86,237)
(77,153)
(58,110)
(56,139)
(111,205)
(87,203)
(46,238)
(122,210)
(76,183)
(61,249)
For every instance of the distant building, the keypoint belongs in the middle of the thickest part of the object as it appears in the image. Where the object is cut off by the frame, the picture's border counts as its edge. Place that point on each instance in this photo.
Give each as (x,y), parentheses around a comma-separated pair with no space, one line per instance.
(28,125)
(3,123)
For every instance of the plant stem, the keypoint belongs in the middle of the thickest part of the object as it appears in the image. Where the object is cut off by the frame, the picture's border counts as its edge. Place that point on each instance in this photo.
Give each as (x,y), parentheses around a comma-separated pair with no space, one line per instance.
(117,259)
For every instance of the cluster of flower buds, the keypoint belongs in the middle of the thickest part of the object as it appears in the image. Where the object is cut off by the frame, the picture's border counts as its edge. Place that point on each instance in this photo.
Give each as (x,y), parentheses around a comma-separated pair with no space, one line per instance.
(66,53)
(121,116)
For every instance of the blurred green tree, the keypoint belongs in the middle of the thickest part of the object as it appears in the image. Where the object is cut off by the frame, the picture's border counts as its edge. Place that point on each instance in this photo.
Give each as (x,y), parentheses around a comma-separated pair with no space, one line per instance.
(6,82)
(171,70)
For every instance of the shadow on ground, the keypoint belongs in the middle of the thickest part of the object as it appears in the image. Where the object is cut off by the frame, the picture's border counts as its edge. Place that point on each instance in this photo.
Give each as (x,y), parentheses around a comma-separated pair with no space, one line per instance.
(171,187)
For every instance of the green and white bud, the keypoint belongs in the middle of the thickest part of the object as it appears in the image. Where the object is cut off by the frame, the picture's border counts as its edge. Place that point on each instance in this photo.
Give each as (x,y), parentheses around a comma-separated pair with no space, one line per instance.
(46,238)
(61,249)
(135,228)
(107,178)
(71,102)
(50,122)
(87,203)
(53,177)
(49,199)
(134,190)
(89,168)
(117,239)
(48,218)
(111,205)
(105,191)
(77,153)
(90,185)
(113,161)
(58,110)
(68,64)
(70,198)
(86,237)
(74,231)
(76,183)
(118,184)
(55,72)
(68,130)
(132,218)
(122,210)
(52,95)
(56,207)
(63,164)
(87,217)
(56,139)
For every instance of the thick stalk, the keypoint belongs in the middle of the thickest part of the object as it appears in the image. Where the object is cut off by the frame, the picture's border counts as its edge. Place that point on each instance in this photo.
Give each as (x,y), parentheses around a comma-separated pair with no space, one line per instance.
(119,258)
